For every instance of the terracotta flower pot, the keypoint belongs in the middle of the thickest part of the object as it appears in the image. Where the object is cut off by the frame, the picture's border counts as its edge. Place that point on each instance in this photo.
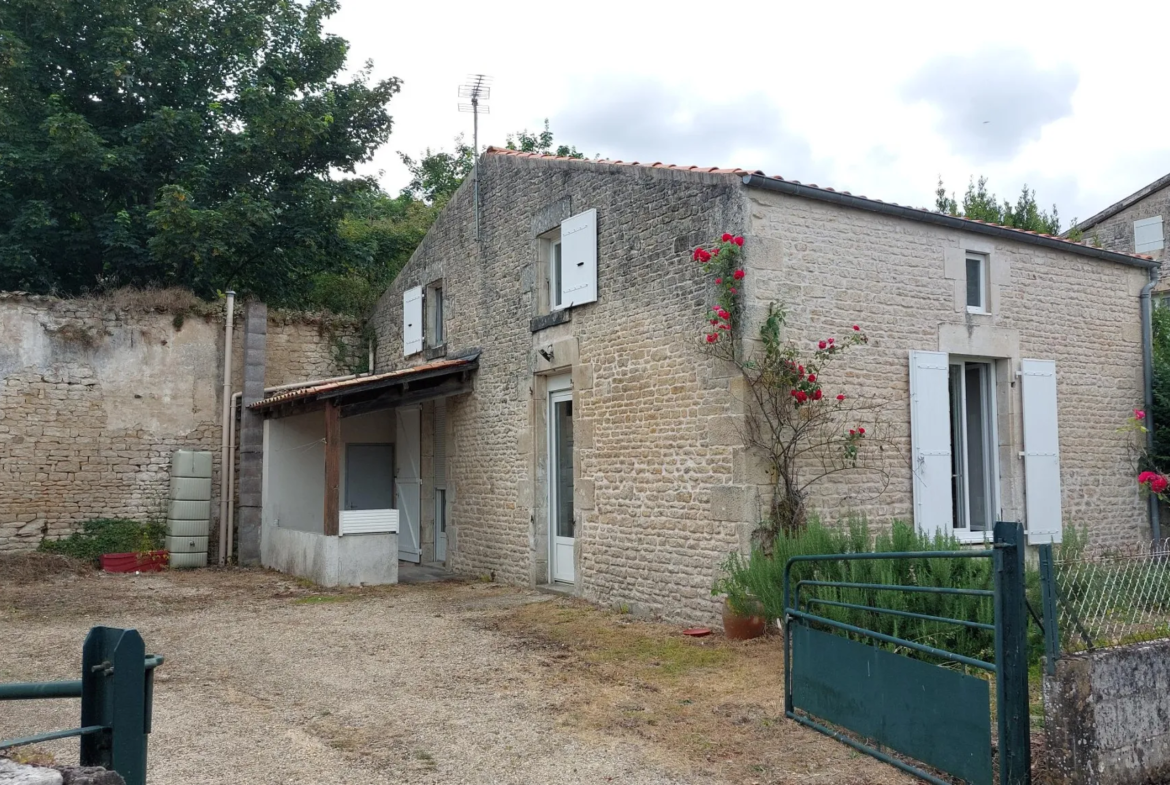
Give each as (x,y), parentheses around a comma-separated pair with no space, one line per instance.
(150,561)
(741,628)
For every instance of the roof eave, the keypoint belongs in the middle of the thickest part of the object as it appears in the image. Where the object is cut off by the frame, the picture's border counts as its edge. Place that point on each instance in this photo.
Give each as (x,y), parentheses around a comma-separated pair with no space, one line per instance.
(941,219)
(1124,204)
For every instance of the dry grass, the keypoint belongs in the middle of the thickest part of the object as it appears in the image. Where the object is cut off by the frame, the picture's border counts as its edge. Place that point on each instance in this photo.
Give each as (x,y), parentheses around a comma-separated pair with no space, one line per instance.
(26,568)
(706,705)
(168,300)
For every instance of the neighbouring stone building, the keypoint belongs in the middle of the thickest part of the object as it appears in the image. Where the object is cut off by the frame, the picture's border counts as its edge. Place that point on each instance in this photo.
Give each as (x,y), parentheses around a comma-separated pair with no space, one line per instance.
(96,393)
(568,427)
(1135,224)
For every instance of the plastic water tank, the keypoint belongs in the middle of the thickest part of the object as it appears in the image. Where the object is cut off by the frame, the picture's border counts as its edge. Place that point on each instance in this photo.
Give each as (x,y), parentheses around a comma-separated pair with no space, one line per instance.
(189,508)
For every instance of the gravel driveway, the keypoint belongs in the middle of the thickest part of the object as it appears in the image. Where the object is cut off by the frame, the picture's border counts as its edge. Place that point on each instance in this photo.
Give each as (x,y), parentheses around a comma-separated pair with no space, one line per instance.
(266,682)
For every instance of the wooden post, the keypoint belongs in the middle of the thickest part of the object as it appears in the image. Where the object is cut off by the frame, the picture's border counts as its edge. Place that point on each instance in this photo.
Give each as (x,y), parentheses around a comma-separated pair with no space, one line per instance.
(332,467)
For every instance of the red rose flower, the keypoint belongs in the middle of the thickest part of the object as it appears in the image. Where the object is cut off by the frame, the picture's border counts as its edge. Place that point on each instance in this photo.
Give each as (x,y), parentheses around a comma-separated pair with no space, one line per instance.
(801,396)
(695,255)
(1158,484)
(723,314)
(732,290)
(830,341)
(726,237)
(1145,477)
(800,369)
(714,321)
(704,257)
(714,251)
(718,280)
(1139,414)
(852,432)
(861,431)
(822,345)
(841,397)
(712,337)
(856,328)
(812,377)
(738,275)
(738,241)
(817,394)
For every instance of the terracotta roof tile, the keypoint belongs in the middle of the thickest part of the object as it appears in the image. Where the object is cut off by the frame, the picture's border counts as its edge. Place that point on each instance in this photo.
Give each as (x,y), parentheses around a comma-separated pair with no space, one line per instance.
(742,172)
(359,382)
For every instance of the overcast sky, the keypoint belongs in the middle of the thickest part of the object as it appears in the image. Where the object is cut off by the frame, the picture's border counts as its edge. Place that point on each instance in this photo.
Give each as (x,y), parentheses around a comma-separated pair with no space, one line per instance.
(874,98)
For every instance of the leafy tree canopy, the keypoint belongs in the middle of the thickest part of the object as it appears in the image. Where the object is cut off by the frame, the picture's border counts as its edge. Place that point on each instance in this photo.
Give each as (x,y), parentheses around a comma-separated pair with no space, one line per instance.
(981,205)
(540,142)
(180,142)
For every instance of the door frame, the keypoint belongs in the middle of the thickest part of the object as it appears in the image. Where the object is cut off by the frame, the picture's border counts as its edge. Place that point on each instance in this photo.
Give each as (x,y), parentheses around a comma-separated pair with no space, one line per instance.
(560,389)
(393,459)
(400,482)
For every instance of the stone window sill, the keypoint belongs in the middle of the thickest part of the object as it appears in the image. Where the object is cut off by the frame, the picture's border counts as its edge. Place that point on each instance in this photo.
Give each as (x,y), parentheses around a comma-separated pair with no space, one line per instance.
(435,352)
(563,316)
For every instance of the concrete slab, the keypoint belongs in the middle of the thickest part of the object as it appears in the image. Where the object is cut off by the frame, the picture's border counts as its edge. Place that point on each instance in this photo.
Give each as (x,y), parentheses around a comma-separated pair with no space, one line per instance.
(409,572)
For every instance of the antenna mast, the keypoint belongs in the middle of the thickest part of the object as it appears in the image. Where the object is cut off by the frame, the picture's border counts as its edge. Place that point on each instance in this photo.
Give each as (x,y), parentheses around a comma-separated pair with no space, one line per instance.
(477,91)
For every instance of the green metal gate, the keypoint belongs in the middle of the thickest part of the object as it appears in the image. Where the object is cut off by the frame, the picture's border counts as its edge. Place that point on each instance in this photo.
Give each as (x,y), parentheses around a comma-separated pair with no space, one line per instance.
(893,706)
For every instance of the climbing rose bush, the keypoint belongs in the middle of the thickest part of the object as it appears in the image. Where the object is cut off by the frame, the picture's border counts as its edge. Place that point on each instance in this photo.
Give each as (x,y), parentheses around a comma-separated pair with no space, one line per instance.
(795,414)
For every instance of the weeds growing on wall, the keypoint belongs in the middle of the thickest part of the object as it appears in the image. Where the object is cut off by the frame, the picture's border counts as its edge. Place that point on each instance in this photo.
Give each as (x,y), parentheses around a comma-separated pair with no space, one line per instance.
(108,535)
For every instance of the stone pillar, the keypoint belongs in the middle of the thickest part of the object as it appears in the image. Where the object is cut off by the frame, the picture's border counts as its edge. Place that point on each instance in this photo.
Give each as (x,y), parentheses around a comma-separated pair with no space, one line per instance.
(252,434)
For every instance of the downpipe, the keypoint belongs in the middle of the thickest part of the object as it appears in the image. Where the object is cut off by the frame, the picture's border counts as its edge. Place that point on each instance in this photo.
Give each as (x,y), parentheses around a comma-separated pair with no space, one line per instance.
(224,457)
(1148,377)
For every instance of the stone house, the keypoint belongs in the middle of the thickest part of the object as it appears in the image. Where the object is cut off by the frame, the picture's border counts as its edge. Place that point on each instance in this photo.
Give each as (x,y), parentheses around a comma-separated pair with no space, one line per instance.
(1135,225)
(568,428)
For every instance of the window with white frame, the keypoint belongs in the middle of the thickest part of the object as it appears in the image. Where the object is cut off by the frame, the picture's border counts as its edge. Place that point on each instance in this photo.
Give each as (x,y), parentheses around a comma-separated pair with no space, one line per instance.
(977,283)
(1147,235)
(568,263)
(973,446)
(955,446)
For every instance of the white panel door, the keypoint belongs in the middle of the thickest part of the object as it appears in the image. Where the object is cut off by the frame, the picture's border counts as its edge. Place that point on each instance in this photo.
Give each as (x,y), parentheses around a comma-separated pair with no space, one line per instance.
(930,441)
(408,482)
(562,523)
(578,260)
(1041,452)
(412,321)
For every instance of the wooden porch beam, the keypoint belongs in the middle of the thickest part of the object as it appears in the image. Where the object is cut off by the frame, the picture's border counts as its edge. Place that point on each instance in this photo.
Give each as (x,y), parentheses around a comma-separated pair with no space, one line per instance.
(332,468)
(445,390)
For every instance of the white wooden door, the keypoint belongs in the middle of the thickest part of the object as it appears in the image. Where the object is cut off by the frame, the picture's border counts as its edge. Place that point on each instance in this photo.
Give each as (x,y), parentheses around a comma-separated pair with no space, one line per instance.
(408,482)
(560,481)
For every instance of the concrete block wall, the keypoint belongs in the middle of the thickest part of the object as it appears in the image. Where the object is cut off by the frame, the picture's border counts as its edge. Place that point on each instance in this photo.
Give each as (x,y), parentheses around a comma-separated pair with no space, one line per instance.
(1107,716)
(95,394)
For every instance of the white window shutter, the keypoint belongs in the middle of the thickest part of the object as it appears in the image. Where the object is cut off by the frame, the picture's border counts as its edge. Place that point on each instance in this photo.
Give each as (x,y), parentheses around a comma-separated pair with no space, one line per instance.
(579,259)
(412,321)
(1041,452)
(1147,235)
(440,447)
(930,438)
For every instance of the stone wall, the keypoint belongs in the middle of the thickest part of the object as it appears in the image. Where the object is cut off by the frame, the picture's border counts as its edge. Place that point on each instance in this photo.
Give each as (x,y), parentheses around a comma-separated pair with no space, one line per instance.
(833,267)
(1107,716)
(1116,232)
(95,394)
(657,500)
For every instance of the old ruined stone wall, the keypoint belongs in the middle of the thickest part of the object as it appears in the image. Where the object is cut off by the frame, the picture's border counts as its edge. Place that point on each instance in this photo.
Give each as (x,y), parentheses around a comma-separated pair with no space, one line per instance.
(903,281)
(95,394)
(1107,715)
(659,499)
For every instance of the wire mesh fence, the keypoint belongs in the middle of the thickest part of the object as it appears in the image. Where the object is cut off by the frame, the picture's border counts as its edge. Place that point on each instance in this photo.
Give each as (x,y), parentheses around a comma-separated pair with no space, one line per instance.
(1113,599)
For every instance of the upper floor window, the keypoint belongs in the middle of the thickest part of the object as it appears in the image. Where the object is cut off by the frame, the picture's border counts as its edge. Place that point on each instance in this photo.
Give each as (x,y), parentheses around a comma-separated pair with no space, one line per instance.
(977,283)
(568,263)
(1147,235)
(436,307)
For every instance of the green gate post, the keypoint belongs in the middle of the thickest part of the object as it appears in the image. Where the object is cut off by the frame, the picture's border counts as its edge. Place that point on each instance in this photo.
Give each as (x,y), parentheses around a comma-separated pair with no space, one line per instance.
(113,694)
(1011,656)
(1048,600)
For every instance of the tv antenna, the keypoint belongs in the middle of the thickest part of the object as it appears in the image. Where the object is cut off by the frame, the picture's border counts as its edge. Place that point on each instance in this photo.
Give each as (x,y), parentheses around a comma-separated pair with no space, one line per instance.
(477,90)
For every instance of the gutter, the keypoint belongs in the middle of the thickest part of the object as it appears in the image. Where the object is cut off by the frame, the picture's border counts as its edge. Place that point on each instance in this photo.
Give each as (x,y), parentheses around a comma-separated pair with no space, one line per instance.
(940,219)
(1148,385)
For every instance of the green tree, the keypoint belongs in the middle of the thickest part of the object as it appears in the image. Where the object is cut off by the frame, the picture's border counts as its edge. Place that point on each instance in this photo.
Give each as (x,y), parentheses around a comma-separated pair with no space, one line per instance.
(981,205)
(436,175)
(1161,410)
(198,143)
(540,142)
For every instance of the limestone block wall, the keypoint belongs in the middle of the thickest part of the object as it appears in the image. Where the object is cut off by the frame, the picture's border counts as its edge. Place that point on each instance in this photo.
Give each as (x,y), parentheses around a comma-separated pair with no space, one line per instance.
(832,267)
(658,499)
(1107,715)
(1116,232)
(95,394)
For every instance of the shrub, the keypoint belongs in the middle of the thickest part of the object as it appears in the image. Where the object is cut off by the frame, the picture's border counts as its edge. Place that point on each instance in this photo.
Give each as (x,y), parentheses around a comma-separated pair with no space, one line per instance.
(762,576)
(107,535)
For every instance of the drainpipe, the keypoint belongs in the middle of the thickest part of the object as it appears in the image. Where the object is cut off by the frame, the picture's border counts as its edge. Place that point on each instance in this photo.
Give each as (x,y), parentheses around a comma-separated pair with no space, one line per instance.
(225,456)
(231,453)
(1148,375)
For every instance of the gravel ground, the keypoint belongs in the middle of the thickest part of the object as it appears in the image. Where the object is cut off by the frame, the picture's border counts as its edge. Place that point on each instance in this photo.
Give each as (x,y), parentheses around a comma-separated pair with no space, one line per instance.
(266,682)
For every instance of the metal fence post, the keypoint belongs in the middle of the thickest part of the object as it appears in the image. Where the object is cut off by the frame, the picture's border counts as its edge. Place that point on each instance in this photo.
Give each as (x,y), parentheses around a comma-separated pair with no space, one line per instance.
(1011,656)
(1048,600)
(113,694)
